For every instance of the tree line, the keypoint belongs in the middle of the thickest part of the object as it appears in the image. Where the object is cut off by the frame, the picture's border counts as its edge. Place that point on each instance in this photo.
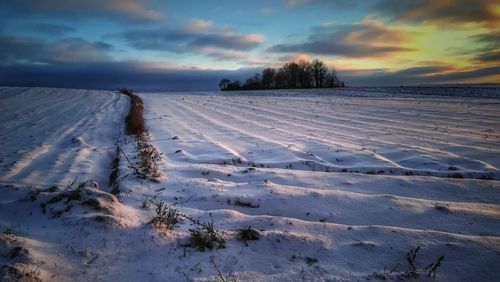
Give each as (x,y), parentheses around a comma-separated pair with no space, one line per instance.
(303,74)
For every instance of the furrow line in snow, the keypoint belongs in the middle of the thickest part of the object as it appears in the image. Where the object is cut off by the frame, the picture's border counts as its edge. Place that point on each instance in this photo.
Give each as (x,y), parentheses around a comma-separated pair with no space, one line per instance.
(370,126)
(290,133)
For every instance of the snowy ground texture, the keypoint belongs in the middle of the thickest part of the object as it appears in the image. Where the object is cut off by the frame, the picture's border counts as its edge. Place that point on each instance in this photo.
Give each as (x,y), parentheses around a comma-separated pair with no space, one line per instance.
(341,185)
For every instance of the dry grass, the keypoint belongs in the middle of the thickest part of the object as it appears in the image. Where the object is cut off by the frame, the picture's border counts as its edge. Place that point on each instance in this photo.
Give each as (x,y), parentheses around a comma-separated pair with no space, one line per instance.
(166,216)
(206,237)
(149,156)
(248,234)
(244,204)
(135,119)
(115,168)
(412,272)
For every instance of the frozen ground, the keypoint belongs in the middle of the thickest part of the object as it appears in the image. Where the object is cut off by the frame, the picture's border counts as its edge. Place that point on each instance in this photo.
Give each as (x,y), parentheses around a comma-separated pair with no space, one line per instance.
(340,186)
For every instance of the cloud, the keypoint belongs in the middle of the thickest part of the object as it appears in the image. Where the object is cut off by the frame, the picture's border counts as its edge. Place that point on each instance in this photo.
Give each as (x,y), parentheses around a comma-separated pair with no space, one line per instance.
(115,9)
(423,71)
(416,75)
(292,3)
(467,74)
(198,25)
(232,41)
(339,5)
(369,38)
(74,50)
(266,11)
(442,12)
(223,54)
(232,55)
(295,58)
(488,56)
(16,49)
(50,28)
(489,38)
(196,36)
(112,75)
(156,39)
(165,76)
(490,53)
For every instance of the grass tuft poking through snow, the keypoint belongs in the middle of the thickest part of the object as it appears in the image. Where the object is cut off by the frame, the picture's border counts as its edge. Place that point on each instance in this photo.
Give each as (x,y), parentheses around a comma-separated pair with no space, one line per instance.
(115,171)
(206,237)
(149,157)
(203,237)
(412,272)
(248,234)
(166,216)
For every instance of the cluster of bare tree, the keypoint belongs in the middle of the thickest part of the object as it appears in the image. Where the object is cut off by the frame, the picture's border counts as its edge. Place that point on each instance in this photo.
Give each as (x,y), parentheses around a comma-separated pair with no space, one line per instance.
(303,74)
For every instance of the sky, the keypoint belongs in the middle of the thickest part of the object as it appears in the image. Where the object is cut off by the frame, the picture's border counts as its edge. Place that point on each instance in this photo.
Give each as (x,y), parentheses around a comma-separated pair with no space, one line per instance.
(190,45)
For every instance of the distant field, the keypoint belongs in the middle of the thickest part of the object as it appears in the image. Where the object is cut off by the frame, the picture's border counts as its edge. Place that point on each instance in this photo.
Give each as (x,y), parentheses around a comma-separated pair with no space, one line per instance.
(455,91)
(418,136)
(339,186)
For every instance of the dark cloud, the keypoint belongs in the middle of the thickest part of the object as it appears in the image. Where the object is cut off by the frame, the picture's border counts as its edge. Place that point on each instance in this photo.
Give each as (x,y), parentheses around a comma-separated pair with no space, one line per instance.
(113,75)
(440,11)
(490,56)
(331,47)
(135,10)
(224,54)
(50,29)
(490,53)
(139,76)
(366,39)
(155,39)
(224,41)
(16,49)
(183,40)
(492,38)
(464,75)
(423,71)
(414,76)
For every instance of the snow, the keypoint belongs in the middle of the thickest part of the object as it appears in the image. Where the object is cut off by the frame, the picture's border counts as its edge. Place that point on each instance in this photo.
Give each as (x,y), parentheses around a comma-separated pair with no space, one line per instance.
(339,186)
(51,136)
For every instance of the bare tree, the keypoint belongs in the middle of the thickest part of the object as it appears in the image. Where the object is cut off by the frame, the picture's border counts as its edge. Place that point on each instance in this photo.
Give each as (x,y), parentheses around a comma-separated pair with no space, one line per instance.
(267,79)
(305,75)
(332,80)
(224,83)
(319,73)
(292,73)
(234,85)
(280,79)
(253,82)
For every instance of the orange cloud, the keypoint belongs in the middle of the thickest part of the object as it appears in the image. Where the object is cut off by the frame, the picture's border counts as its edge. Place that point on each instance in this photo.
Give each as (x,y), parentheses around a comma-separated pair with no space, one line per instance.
(369,38)
(256,38)
(376,33)
(444,12)
(117,9)
(198,25)
(296,58)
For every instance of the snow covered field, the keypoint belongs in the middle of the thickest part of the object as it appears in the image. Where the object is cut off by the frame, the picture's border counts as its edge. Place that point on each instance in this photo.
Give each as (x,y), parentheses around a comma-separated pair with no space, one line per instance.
(340,187)
(49,136)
